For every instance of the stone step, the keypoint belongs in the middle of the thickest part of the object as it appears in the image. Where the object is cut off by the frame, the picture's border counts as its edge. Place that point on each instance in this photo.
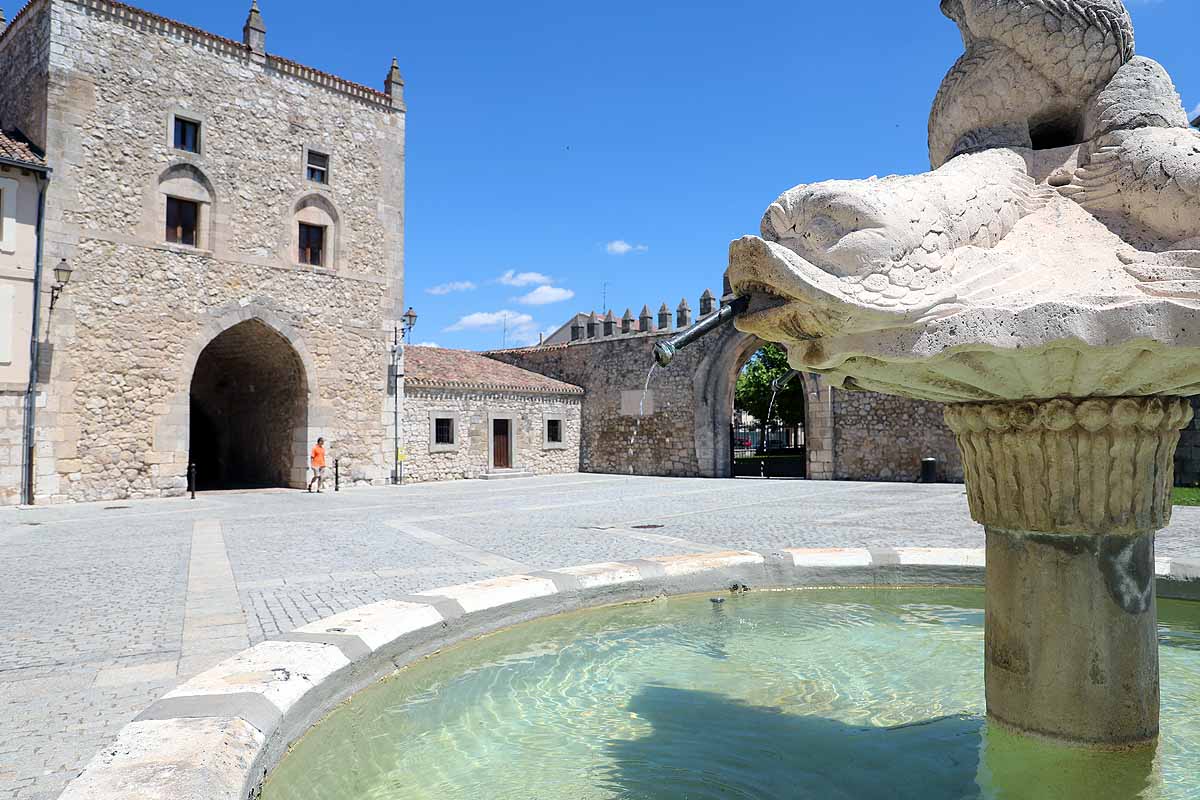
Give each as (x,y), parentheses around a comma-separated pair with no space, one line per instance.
(505,474)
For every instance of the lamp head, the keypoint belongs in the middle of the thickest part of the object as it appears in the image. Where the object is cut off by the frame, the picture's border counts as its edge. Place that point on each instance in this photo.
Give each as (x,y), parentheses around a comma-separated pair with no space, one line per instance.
(62,273)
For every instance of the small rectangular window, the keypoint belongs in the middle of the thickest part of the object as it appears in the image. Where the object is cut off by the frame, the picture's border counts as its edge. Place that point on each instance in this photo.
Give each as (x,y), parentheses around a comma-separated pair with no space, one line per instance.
(312,244)
(443,430)
(318,167)
(182,219)
(554,431)
(187,135)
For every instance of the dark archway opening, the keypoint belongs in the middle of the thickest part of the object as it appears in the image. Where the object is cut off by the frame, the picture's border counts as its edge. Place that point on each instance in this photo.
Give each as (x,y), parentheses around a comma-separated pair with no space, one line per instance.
(767,434)
(249,411)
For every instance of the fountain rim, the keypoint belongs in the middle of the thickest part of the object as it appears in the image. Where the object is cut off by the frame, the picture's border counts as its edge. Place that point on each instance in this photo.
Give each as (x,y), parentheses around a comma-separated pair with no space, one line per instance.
(220,734)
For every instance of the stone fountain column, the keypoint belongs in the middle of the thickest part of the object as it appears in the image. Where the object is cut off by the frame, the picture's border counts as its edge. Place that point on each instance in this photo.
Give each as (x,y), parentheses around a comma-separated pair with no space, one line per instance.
(1071,493)
(1014,271)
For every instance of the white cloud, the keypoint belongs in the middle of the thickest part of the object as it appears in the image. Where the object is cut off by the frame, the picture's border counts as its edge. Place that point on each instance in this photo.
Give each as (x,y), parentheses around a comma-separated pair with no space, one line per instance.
(544,295)
(620,247)
(521,327)
(514,278)
(1195,112)
(426,344)
(452,286)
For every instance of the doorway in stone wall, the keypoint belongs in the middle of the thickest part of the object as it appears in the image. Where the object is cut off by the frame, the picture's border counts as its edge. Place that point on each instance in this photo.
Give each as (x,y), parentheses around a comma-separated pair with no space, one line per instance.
(249,411)
(501,444)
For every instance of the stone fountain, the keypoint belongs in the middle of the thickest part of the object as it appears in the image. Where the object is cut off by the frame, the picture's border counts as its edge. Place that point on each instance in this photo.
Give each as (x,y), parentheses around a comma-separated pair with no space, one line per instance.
(1043,282)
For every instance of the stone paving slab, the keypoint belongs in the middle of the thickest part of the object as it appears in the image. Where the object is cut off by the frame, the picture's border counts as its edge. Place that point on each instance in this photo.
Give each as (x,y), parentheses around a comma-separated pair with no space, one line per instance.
(101,615)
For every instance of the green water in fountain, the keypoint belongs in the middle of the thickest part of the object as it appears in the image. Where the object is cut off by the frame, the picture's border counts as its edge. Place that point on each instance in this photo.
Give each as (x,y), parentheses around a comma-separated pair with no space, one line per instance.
(831,693)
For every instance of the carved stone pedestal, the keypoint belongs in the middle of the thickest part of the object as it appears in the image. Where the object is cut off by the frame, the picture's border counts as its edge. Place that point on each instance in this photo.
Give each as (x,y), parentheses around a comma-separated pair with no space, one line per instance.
(1071,493)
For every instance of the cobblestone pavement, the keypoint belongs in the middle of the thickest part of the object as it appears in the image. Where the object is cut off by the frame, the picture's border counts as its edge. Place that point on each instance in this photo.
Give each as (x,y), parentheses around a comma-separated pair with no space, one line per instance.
(103,608)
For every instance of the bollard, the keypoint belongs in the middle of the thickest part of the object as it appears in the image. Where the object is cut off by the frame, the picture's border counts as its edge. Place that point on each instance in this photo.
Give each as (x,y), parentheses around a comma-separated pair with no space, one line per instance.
(337,478)
(929,470)
(192,480)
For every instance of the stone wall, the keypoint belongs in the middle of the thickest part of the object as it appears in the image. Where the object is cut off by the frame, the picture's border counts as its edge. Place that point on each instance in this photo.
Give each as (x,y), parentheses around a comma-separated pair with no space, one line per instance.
(613,374)
(685,430)
(1187,457)
(130,328)
(473,411)
(12,411)
(25,67)
(883,438)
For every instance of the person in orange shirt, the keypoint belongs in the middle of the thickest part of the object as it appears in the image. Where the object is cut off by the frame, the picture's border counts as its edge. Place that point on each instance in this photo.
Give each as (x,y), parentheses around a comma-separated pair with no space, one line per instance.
(318,465)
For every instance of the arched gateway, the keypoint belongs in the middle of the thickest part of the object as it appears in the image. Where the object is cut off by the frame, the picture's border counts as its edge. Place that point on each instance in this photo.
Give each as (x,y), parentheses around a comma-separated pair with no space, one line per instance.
(715,380)
(249,410)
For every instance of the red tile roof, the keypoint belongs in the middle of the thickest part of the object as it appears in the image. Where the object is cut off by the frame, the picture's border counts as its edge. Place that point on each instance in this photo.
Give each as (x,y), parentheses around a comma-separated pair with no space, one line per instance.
(15,147)
(459,369)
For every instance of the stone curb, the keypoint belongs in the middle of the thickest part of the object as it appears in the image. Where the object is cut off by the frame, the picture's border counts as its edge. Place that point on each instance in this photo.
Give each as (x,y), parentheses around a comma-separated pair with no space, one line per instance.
(218,735)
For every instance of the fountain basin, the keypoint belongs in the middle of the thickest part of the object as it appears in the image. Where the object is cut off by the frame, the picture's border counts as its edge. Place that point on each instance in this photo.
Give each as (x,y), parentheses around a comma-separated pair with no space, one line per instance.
(847,692)
(221,733)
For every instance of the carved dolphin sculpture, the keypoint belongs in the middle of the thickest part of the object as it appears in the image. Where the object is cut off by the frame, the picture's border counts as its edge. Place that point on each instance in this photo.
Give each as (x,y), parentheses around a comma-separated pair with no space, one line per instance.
(1029,69)
(1140,175)
(1143,164)
(877,253)
(849,257)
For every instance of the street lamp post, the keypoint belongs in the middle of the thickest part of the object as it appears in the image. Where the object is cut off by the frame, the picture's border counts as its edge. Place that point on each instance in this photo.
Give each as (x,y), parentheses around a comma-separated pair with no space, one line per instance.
(407,322)
(62,276)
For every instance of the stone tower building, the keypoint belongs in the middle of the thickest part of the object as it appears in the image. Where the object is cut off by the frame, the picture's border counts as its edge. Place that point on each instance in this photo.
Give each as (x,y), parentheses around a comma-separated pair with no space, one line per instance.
(234,222)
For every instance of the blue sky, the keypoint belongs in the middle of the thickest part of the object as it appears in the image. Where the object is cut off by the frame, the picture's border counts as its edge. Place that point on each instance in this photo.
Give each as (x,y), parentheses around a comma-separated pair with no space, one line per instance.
(558,154)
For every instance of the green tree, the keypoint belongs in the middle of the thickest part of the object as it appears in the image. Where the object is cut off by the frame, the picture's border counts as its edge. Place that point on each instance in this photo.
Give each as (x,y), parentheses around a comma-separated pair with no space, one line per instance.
(753,392)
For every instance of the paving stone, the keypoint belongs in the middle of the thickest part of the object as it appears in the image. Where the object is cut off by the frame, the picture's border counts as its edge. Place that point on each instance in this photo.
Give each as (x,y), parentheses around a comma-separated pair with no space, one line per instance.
(98,609)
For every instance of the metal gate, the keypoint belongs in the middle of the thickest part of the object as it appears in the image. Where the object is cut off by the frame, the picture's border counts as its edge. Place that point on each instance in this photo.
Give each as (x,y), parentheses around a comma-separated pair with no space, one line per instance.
(776,451)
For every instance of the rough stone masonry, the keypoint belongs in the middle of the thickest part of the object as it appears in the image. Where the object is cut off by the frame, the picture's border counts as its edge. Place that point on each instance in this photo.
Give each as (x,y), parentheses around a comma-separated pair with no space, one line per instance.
(102,88)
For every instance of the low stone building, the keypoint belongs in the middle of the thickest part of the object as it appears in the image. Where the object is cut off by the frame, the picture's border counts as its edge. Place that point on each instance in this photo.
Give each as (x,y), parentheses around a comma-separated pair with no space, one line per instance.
(468,416)
(678,421)
(235,224)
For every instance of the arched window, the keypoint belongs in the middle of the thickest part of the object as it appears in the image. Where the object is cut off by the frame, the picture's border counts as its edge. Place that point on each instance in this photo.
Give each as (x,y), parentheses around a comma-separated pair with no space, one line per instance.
(186,207)
(316,232)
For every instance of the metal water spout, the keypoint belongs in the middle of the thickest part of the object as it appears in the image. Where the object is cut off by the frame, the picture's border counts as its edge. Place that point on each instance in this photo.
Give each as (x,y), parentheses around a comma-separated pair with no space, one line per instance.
(780,383)
(664,352)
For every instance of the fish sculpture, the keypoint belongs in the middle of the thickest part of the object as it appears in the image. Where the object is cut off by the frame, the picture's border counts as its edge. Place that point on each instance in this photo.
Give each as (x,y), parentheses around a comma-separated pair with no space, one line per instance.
(1066,182)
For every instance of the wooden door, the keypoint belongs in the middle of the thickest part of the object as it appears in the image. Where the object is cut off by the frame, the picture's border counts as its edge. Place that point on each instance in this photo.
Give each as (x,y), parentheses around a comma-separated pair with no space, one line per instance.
(501,455)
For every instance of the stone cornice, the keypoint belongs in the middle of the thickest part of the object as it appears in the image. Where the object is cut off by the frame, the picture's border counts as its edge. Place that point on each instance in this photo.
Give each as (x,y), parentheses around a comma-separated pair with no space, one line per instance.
(222,45)
(1097,466)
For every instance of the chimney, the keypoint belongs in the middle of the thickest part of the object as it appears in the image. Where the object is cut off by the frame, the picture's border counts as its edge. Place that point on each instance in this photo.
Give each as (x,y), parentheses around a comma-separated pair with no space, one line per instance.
(394,85)
(664,318)
(576,329)
(646,321)
(683,314)
(610,323)
(627,322)
(726,289)
(254,34)
(592,325)
(708,303)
